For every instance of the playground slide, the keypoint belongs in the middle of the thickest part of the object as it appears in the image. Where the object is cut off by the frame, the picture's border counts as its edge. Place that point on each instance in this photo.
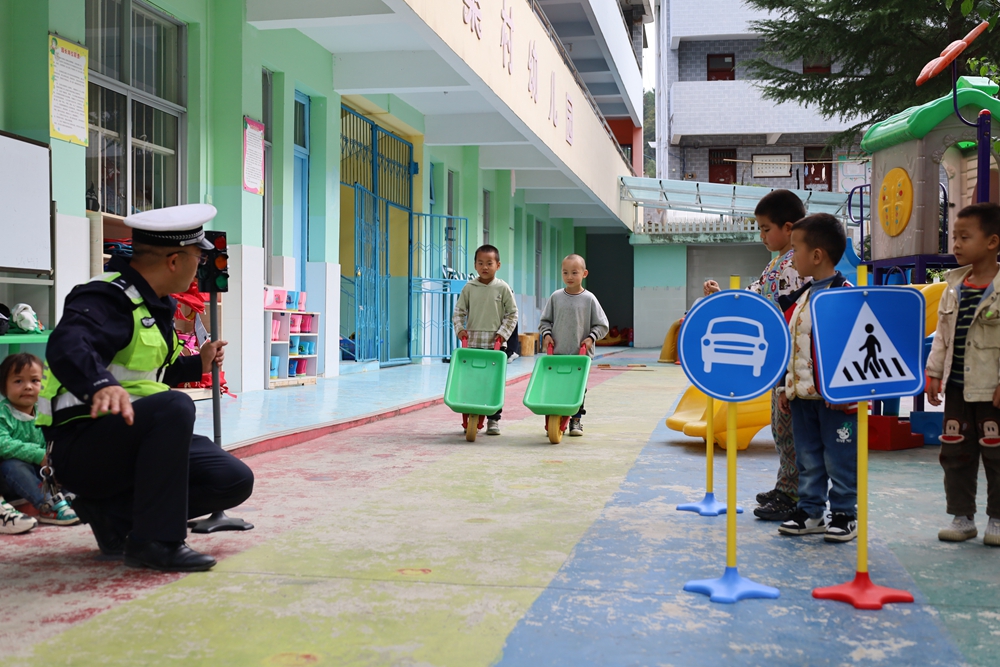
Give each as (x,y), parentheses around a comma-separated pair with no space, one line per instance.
(751,417)
(932,296)
(848,264)
(668,353)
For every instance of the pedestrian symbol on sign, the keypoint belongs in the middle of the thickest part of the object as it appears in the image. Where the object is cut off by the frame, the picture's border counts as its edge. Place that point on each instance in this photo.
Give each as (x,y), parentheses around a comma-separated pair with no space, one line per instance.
(869,356)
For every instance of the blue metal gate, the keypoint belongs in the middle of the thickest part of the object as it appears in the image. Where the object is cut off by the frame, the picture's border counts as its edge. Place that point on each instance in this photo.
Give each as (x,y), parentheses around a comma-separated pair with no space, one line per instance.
(379,165)
(439,269)
(367,238)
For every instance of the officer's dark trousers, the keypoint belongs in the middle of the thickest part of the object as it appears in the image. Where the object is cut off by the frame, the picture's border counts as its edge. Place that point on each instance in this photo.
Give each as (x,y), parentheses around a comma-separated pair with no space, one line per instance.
(149,478)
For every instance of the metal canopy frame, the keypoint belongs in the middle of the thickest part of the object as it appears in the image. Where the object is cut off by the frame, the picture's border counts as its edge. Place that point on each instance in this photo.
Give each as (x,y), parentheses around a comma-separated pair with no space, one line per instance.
(717,199)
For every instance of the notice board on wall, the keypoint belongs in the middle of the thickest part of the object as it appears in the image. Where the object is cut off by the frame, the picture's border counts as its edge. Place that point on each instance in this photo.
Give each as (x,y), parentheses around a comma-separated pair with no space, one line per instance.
(25,205)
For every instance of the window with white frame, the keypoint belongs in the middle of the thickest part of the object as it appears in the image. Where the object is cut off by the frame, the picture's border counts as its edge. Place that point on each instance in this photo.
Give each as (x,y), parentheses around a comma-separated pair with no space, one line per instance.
(137,113)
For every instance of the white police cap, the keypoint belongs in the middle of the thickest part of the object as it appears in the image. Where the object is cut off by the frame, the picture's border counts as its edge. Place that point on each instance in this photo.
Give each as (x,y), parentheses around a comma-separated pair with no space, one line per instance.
(173,226)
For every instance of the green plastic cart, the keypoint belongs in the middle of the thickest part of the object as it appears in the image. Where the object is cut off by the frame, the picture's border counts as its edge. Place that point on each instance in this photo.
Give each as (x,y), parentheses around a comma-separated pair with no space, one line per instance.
(475,385)
(556,389)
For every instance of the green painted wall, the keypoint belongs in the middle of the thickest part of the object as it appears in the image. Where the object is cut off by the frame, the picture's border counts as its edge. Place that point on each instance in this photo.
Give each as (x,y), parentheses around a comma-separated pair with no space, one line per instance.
(25,98)
(6,58)
(224,60)
(660,265)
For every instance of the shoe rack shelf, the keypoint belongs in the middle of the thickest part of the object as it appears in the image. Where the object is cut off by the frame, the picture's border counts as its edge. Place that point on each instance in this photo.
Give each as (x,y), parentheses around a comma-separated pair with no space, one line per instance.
(285,328)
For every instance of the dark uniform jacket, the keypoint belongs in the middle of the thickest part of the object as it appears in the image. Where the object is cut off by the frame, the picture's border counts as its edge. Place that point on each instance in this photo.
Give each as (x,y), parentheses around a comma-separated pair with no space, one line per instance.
(97,323)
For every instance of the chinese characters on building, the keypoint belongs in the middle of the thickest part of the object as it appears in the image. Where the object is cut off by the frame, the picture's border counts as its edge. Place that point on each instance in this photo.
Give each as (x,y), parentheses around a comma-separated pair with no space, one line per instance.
(569,120)
(553,114)
(506,37)
(472,14)
(533,72)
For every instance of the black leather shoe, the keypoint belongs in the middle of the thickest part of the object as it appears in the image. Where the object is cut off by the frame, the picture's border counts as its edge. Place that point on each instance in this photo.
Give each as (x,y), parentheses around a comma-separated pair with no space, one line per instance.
(109,540)
(166,556)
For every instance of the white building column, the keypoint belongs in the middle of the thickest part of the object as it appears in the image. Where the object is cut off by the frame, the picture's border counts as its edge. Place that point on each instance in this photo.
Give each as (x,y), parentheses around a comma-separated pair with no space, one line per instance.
(323,296)
(243,320)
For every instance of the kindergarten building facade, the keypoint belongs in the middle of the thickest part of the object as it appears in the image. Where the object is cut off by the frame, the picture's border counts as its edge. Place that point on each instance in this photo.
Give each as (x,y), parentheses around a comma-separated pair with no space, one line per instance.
(357,151)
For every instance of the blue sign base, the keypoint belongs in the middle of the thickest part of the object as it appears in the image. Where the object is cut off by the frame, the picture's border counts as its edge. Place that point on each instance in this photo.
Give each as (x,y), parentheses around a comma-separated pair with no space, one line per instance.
(731,588)
(707,506)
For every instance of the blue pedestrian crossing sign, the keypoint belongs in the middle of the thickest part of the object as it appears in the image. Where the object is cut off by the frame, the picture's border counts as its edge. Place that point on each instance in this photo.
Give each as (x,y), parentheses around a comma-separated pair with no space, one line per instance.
(869,342)
(734,345)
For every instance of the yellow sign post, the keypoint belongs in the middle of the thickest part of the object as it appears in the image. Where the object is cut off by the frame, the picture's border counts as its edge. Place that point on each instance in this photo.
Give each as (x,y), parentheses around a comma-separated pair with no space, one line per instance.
(861,592)
(730,587)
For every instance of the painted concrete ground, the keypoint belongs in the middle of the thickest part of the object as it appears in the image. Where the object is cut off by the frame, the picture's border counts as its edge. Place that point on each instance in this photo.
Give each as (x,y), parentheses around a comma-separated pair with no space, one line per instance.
(399,543)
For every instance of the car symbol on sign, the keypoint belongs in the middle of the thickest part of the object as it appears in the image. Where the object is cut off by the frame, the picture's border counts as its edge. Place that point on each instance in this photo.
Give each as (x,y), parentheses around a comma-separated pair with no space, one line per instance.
(736,341)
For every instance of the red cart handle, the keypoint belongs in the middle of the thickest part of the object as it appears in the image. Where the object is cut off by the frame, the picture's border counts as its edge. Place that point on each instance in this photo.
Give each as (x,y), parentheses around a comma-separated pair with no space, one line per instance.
(496,344)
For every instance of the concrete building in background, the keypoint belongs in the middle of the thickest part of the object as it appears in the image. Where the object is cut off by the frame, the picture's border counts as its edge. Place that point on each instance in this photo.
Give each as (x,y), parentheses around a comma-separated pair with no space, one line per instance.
(398,135)
(714,124)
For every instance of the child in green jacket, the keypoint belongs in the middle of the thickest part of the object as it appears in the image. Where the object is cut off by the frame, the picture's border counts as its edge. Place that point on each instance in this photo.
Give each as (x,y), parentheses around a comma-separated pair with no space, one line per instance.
(22,445)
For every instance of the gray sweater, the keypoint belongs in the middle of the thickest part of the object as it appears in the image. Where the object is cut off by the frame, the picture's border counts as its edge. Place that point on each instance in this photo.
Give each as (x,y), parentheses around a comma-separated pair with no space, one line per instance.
(569,318)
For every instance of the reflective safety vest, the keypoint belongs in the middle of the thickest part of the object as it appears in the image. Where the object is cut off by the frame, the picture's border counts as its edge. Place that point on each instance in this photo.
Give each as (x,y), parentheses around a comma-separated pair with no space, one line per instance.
(139,367)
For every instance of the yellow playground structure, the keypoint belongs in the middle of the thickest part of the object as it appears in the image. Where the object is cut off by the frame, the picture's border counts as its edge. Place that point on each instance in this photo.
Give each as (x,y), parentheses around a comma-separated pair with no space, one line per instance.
(751,416)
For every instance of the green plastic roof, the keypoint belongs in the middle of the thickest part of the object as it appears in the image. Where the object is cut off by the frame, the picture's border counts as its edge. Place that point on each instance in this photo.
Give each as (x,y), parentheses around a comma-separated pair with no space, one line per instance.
(917,122)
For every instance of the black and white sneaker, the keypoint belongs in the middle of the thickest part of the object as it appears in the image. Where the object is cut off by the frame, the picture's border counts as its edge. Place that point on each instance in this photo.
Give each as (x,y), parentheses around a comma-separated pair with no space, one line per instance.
(843,528)
(801,523)
(765,497)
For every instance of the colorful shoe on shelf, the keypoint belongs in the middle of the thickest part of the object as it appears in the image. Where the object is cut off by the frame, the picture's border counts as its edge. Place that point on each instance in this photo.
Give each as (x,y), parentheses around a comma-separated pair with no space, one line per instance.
(960,529)
(13,522)
(59,514)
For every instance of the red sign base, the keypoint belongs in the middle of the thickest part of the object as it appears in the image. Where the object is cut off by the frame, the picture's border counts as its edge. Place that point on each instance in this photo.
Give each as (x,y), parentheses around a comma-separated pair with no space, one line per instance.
(862,593)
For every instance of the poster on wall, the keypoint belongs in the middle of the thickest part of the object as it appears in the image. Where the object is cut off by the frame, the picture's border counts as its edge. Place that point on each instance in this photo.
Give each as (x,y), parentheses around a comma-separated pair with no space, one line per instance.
(67,91)
(253,156)
(772,166)
(852,173)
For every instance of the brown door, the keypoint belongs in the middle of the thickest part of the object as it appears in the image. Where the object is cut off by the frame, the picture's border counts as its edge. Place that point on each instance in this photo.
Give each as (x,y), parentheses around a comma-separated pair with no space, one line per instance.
(721,67)
(819,170)
(719,170)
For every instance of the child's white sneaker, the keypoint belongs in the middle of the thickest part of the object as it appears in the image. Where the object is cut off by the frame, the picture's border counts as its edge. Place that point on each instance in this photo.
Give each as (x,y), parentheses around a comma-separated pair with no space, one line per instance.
(13,522)
(492,427)
(992,536)
(960,529)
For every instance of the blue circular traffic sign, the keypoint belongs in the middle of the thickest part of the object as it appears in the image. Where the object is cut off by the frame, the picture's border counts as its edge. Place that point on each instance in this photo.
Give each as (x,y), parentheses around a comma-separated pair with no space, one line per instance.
(734,345)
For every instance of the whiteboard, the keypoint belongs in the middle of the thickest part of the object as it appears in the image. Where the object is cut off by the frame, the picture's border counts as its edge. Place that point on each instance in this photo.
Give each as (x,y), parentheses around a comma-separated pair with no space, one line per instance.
(25,199)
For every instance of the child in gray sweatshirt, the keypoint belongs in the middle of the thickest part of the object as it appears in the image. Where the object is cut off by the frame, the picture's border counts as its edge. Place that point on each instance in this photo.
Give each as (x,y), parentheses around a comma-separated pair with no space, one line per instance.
(573,318)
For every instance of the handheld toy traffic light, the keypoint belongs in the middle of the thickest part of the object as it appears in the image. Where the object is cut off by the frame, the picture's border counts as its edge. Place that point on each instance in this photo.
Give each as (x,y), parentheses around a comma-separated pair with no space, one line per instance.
(213,275)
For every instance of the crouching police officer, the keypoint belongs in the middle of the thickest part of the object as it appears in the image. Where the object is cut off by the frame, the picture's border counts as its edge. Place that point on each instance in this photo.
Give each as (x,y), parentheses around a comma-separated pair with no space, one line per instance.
(120,439)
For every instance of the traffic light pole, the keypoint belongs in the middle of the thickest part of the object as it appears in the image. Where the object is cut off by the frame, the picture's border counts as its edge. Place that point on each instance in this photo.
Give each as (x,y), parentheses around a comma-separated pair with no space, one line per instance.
(218,520)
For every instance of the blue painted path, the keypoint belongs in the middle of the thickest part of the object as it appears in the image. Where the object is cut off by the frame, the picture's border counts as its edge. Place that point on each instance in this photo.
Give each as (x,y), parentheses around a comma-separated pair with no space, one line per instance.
(618,600)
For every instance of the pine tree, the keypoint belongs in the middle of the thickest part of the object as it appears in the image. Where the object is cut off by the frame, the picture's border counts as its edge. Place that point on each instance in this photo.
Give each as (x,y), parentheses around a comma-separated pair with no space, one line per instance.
(877,48)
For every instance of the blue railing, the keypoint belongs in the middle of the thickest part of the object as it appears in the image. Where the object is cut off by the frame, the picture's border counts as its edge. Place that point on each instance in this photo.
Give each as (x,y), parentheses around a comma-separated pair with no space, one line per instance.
(439,248)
